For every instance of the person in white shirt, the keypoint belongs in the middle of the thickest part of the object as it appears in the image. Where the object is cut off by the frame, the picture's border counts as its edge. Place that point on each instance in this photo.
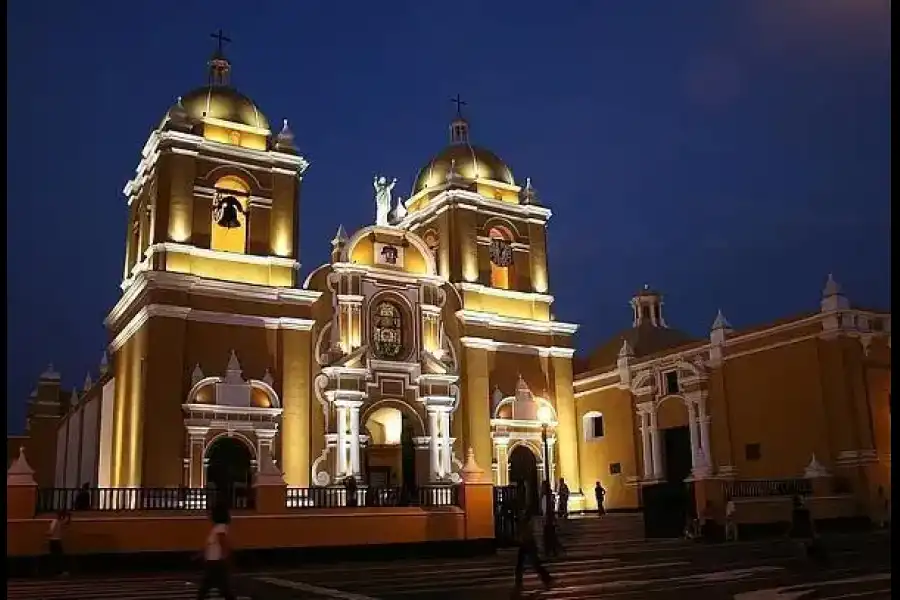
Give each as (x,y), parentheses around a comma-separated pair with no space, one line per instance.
(731,528)
(216,557)
(55,537)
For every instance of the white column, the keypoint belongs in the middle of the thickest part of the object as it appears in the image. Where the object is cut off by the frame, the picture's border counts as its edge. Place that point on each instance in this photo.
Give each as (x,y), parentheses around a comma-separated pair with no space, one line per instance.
(264,439)
(342,425)
(446,445)
(550,444)
(354,440)
(704,432)
(435,455)
(655,444)
(197,443)
(645,441)
(501,446)
(692,428)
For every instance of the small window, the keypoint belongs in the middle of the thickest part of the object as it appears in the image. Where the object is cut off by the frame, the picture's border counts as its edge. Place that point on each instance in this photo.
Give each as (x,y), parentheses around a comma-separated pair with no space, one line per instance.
(593,426)
(615,468)
(752,452)
(671,382)
(597,426)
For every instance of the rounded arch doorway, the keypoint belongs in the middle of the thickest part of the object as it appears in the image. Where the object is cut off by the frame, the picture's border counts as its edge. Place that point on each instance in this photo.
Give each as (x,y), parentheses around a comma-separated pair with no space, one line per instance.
(229,469)
(523,473)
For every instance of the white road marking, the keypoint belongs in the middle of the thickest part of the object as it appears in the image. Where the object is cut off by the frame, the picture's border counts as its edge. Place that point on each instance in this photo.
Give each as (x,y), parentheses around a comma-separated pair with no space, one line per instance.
(801,589)
(314,589)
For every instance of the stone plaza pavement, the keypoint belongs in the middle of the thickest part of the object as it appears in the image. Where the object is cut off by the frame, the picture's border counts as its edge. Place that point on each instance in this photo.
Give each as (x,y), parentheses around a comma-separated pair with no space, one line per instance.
(760,570)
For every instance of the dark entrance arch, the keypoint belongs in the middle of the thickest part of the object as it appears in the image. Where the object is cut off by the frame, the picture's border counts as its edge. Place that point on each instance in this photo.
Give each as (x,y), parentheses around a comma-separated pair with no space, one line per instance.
(523,472)
(229,469)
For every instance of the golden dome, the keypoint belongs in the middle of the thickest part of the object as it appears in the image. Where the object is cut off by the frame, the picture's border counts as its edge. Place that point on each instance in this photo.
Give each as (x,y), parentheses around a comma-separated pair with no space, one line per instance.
(225,104)
(470,161)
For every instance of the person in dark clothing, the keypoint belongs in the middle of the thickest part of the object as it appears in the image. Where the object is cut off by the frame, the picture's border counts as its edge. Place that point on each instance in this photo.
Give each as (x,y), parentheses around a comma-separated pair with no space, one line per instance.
(528,551)
(552,546)
(600,495)
(83,498)
(803,529)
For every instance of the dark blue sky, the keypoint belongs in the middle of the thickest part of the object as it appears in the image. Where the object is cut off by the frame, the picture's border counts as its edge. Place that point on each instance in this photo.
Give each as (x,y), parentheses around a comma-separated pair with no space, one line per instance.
(729,153)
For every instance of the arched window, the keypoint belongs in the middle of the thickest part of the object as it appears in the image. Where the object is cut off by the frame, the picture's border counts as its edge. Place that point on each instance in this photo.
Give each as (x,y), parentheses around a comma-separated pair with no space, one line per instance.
(387,331)
(501,258)
(229,215)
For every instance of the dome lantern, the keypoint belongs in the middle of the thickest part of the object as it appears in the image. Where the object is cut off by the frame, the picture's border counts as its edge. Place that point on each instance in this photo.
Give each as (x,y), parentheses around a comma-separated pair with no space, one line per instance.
(459,127)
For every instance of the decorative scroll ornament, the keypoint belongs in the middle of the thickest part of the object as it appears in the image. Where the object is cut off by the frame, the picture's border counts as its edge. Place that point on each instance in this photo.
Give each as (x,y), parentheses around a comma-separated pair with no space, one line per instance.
(388,331)
(501,252)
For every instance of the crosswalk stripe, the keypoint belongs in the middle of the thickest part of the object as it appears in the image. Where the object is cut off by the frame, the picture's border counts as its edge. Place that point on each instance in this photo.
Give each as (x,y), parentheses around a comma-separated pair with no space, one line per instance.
(314,589)
(143,588)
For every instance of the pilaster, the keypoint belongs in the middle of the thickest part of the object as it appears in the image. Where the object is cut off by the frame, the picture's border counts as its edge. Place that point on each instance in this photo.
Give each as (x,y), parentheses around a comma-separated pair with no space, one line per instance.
(566,428)
(295,424)
(478,412)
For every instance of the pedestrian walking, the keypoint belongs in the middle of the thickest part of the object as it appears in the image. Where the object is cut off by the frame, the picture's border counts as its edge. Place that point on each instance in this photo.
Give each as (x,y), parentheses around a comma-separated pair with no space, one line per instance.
(563,499)
(55,535)
(600,495)
(217,556)
(528,551)
(731,528)
(884,509)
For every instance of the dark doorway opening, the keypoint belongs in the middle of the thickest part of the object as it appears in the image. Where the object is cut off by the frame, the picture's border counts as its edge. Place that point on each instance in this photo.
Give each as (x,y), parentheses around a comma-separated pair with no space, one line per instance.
(677,445)
(523,473)
(229,469)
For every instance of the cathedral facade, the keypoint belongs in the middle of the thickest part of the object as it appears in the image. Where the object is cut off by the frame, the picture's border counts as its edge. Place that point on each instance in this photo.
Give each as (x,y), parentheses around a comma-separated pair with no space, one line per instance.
(427,333)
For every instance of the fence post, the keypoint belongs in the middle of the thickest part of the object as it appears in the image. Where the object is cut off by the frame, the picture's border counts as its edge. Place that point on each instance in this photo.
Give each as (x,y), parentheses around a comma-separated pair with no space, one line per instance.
(476,497)
(21,489)
(270,488)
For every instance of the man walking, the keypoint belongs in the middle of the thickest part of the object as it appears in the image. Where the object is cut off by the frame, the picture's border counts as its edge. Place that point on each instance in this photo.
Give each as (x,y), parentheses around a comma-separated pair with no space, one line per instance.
(528,551)
(55,537)
(217,557)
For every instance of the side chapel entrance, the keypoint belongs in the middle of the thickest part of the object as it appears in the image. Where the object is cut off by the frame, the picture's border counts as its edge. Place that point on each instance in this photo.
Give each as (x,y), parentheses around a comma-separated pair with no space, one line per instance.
(523,472)
(229,467)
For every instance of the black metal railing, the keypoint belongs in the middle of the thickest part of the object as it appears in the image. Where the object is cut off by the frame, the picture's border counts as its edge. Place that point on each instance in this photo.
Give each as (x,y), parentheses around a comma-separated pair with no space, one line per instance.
(123,499)
(767,488)
(341,497)
(506,509)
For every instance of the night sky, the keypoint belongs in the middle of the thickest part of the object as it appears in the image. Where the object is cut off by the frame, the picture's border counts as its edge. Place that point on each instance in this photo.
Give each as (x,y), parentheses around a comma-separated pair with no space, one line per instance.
(730,154)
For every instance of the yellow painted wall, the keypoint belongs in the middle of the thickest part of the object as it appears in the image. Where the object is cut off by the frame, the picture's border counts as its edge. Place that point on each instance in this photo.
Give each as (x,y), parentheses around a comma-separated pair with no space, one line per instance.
(619,444)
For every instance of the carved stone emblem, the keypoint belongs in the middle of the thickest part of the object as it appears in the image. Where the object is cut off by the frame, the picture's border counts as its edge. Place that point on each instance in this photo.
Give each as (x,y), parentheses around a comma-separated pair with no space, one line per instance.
(387,334)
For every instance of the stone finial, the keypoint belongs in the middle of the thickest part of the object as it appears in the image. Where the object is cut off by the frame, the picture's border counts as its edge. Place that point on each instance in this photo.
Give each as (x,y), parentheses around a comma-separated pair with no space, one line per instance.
(815,469)
(340,238)
(73,401)
(496,396)
(20,472)
(88,382)
(233,371)
(528,194)
(268,379)
(626,351)
(50,374)
(833,296)
(453,175)
(399,213)
(196,375)
(104,364)
(721,322)
(472,473)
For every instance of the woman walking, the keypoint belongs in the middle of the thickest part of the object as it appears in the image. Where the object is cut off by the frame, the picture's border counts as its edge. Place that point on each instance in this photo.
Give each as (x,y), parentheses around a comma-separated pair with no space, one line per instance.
(217,557)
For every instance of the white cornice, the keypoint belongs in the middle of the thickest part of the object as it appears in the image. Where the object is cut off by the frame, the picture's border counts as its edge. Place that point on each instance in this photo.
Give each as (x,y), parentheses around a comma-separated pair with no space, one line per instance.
(147,280)
(495,346)
(204,316)
(248,259)
(475,201)
(387,274)
(501,293)
(473,317)
(182,143)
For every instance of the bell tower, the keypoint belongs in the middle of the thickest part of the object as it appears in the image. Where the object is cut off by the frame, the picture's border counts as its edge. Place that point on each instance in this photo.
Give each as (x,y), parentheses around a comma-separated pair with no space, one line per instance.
(211,261)
(216,192)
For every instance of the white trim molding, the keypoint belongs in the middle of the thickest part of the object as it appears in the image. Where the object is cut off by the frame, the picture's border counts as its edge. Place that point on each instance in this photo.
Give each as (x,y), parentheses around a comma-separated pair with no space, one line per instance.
(148,280)
(204,316)
(250,259)
(485,319)
(483,204)
(512,294)
(495,346)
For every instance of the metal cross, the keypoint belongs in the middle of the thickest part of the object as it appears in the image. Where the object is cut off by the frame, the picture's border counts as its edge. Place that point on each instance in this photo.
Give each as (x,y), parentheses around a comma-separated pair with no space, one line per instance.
(459,104)
(220,37)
